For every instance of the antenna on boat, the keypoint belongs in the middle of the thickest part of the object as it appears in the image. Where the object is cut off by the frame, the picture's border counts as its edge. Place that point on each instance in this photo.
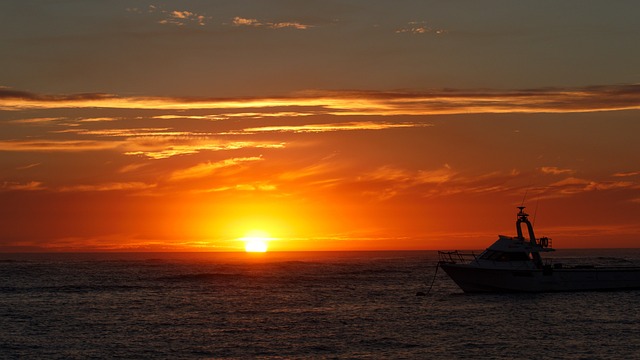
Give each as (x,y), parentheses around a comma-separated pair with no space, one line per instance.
(535,212)
(524,197)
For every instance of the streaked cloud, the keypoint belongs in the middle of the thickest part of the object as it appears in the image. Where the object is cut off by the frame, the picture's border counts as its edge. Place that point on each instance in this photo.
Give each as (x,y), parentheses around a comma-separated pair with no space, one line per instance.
(131,167)
(589,99)
(179,18)
(317,128)
(314,173)
(573,185)
(394,174)
(206,169)
(418,28)
(389,181)
(244,187)
(262,115)
(172,17)
(243,115)
(240,21)
(175,147)
(154,147)
(21,186)
(56,145)
(25,167)
(97,119)
(135,132)
(112,186)
(627,174)
(41,120)
(555,170)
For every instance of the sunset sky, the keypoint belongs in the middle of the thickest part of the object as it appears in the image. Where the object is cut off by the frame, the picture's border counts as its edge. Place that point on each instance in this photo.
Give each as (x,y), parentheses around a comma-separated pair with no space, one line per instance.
(328,125)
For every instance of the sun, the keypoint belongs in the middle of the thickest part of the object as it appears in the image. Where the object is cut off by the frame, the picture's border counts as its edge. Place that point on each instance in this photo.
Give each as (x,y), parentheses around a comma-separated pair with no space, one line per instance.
(256,241)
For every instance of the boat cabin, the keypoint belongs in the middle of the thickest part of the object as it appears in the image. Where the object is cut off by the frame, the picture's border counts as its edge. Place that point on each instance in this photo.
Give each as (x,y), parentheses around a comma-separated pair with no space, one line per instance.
(516,251)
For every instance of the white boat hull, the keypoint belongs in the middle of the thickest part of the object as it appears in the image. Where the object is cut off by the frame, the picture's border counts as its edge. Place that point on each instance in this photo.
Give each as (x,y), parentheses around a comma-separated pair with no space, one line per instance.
(476,279)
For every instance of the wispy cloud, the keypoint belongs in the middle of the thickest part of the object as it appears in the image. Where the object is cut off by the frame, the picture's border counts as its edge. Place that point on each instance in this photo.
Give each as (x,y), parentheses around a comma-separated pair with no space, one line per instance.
(38,121)
(394,174)
(21,186)
(244,187)
(172,17)
(131,167)
(589,99)
(627,174)
(97,119)
(240,21)
(389,181)
(206,169)
(175,147)
(112,186)
(555,170)
(153,147)
(25,167)
(135,132)
(317,128)
(418,28)
(243,115)
(573,185)
(179,18)
(56,145)
(315,172)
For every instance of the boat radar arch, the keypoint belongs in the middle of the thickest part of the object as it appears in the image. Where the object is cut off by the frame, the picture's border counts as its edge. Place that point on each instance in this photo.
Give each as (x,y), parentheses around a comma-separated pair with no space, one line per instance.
(523,217)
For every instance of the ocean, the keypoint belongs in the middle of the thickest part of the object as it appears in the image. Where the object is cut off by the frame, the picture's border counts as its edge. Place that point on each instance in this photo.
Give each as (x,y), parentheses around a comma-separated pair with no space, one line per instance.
(305,305)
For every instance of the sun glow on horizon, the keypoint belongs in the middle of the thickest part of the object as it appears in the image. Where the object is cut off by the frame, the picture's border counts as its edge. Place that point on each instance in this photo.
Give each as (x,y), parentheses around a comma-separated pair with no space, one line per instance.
(256,241)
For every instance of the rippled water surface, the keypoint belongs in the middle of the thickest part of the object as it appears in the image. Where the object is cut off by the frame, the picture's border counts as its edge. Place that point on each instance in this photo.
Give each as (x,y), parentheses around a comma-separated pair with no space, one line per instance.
(296,305)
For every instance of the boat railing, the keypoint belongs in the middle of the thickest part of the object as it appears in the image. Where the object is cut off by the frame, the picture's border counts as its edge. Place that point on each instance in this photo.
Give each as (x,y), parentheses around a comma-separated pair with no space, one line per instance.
(456,257)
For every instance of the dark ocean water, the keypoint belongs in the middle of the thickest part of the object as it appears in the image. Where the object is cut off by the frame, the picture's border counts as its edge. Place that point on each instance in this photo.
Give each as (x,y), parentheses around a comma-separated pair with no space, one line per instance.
(357,305)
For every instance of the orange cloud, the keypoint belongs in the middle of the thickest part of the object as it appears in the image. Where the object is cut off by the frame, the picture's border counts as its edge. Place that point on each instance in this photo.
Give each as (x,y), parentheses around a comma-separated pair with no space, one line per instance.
(150,145)
(289,24)
(574,185)
(244,115)
(56,145)
(239,21)
(392,174)
(589,99)
(174,147)
(555,171)
(206,169)
(28,186)
(316,128)
(174,17)
(97,119)
(28,166)
(627,174)
(389,181)
(244,187)
(135,132)
(42,120)
(419,27)
(113,186)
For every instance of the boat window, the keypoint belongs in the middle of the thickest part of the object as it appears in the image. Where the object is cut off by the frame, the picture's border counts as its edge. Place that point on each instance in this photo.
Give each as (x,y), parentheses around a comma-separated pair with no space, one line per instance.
(519,256)
(505,256)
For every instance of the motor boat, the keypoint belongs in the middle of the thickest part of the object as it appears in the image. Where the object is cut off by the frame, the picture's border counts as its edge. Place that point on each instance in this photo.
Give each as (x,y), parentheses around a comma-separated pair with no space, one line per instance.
(516,264)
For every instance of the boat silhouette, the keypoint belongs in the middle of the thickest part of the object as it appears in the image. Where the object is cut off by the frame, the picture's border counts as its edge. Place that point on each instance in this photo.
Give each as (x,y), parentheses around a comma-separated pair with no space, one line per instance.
(515,264)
